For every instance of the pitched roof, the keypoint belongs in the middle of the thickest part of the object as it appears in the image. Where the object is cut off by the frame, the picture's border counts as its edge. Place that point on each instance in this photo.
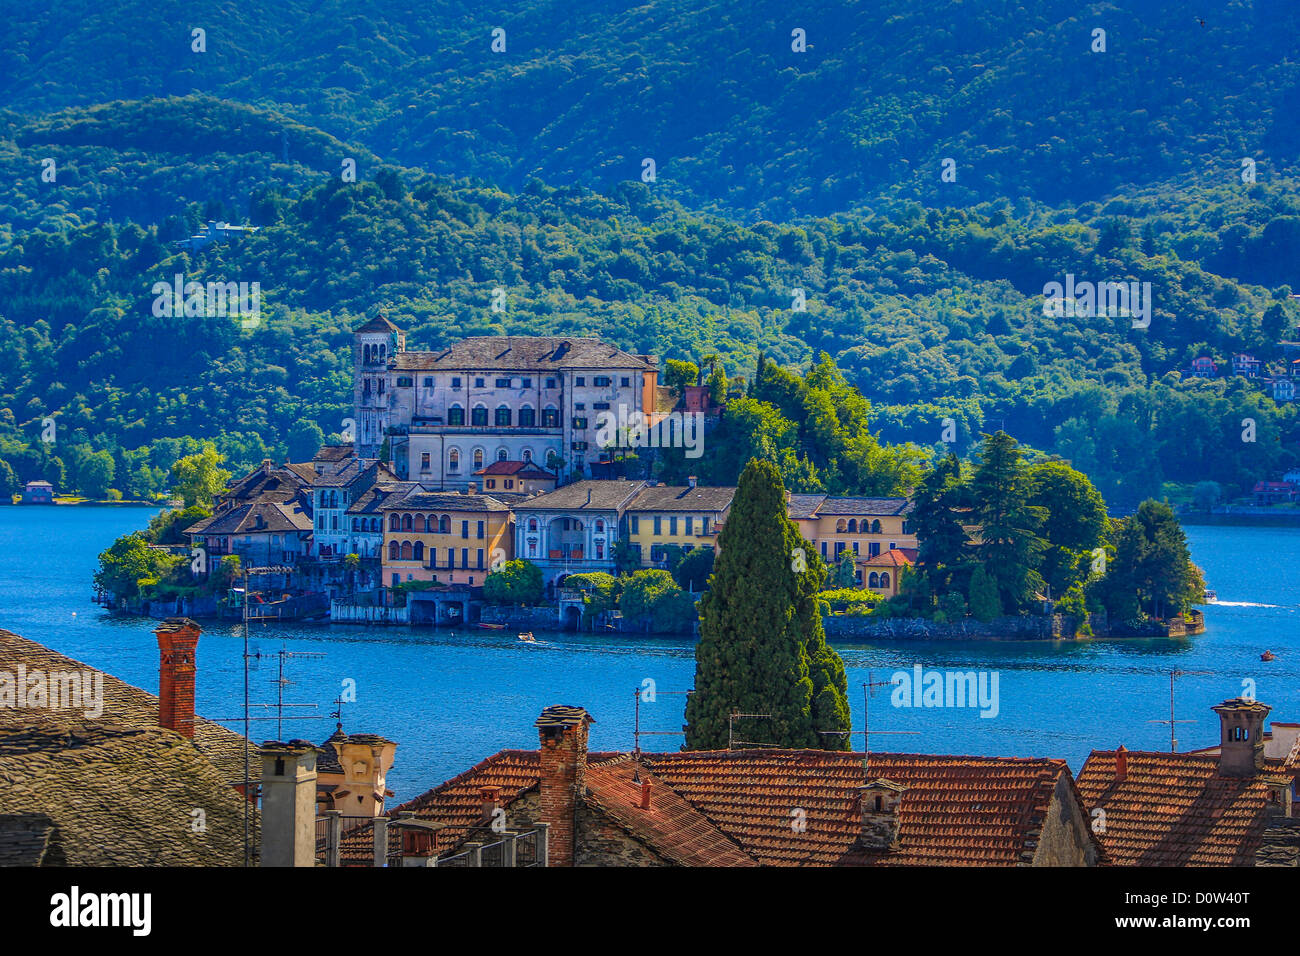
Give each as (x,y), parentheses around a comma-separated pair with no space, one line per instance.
(1174,809)
(98,794)
(682,498)
(443,501)
(593,495)
(378,324)
(521,469)
(374,498)
(333,452)
(125,705)
(874,507)
(893,558)
(355,471)
(256,517)
(803,507)
(527,353)
(956,810)
(671,826)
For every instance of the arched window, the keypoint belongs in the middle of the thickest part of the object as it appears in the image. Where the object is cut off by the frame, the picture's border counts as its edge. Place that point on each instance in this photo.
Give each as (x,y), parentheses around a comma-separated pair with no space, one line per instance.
(394,523)
(875,526)
(444,524)
(393,551)
(841,526)
(406,522)
(874,580)
(478,417)
(884,579)
(503,416)
(478,458)
(527,417)
(502,454)
(406,551)
(430,523)
(453,460)
(418,523)
(600,526)
(532,525)
(455,415)
(418,551)
(528,455)
(853,525)
(383,353)
(365,354)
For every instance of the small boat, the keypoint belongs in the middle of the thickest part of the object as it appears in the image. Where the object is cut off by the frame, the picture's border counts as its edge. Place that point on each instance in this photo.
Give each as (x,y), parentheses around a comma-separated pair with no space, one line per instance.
(1268,656)
(1210,597)
(527,637)
(493,627)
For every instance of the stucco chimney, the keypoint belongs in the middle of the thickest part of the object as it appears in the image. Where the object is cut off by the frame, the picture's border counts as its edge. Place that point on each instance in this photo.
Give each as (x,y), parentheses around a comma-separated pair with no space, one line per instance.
(880,800)
(472,489)
(178,639)
(1241,736)
(691,481)
(562,732)
(491,797)
(288,803)
(1121,764)
(646,788)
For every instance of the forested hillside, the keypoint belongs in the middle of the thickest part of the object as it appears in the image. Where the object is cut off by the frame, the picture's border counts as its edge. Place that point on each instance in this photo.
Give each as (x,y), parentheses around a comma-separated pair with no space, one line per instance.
(584,90)
(927,296)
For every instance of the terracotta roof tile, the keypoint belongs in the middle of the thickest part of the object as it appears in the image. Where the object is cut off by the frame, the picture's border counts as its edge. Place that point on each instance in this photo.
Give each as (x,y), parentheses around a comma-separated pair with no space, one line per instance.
(1175,809)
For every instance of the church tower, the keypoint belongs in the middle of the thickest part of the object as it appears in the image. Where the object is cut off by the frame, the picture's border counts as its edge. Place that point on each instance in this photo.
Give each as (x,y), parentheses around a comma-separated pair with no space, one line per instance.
(376,343)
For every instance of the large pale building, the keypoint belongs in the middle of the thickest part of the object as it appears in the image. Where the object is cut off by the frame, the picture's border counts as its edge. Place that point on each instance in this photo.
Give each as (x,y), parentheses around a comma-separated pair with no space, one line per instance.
(447,414)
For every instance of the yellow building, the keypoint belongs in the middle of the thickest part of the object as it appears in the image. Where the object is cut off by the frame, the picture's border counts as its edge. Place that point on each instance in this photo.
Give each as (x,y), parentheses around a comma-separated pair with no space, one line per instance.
(686,516)
(866,527)
(449,537)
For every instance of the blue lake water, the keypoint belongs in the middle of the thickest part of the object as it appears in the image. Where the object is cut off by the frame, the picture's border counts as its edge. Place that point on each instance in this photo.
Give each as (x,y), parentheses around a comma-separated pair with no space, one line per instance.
(451,698)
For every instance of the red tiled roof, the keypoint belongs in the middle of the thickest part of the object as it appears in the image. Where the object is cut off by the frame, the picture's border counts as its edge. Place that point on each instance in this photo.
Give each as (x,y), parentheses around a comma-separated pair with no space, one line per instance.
(893,558)
(1175,809)
(956,810)
(674,828)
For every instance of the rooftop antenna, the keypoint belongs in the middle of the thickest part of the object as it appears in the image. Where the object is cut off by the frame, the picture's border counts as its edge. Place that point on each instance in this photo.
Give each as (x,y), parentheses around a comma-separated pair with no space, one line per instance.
(638,733)
(1173,739)
(731,730)
(869,688)
(281,682)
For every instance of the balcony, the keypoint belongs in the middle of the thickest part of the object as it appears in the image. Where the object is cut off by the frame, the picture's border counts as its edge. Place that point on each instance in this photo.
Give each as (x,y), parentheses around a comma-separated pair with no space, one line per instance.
(561,554)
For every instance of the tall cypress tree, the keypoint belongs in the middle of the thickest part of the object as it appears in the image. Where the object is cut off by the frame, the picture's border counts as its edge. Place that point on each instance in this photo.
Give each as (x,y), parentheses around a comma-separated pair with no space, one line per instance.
(762,649)
(1010,546)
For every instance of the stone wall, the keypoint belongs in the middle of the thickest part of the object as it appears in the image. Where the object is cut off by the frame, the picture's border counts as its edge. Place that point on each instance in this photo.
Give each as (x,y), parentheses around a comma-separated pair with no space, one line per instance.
(525,618)
(1012,628)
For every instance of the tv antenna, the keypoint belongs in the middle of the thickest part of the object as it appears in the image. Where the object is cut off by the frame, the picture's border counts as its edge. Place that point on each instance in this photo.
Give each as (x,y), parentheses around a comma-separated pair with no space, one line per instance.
(869,688)
(638,733)
(1173,739)
(731,730)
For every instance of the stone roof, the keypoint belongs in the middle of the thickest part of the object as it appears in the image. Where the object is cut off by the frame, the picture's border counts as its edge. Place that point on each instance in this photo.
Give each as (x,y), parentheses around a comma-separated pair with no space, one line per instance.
(333,452)
(1174,809)
(590,495)
(683,498)
(382,493)
(276,518)
(378,324)
(803,506)
(85,793)
(444,501)
(270,483)
(525,353)
(872,507)
(355,471)
(125,705)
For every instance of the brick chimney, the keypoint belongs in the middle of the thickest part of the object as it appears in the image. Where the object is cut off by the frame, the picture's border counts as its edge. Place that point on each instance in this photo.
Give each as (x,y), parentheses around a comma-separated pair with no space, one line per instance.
(880,800)
(562,732)
(1121,764)
(178,638)
(1241,737)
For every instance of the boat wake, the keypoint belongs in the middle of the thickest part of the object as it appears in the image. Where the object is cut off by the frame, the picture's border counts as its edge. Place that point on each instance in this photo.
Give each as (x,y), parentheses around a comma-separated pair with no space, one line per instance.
(1243,604)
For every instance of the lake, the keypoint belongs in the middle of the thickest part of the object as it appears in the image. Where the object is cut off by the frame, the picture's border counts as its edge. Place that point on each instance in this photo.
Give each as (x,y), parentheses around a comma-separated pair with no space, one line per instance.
(451,698)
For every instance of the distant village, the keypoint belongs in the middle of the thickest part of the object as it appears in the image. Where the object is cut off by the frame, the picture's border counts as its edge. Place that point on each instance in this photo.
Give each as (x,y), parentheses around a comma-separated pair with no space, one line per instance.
(479,454)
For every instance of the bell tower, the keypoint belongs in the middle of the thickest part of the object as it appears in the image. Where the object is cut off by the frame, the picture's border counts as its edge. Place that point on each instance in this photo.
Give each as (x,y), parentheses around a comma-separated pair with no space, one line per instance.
(375,344)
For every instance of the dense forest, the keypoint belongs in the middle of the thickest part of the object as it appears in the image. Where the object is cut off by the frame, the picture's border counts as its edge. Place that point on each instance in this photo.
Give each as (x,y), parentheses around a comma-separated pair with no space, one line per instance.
(522,171)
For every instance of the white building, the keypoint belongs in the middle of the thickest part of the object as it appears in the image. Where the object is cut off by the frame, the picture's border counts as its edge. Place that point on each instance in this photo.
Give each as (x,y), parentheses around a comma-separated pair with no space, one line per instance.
(447,414)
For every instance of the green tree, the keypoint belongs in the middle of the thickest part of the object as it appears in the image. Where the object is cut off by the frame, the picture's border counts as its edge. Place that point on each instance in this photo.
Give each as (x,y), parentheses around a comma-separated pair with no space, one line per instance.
(652,597)
(1075,522)
(677,375)
(985,604)
(1010,546)
(129,562)
(516,582)
(198,479)
(942,550)
(1151,571)
(692,574)
(762,649)
(846,570)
